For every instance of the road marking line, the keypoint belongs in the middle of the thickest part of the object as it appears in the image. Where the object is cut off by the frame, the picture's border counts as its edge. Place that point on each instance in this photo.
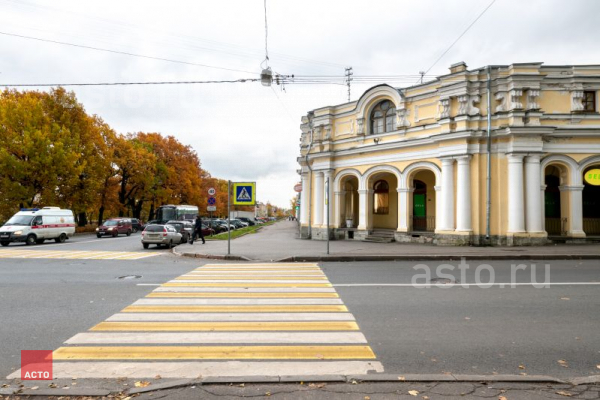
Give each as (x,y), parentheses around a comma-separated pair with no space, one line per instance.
(235,301)
(111,326)
(243,290)
(241,295)
(450,285)
(191,370)
(217,317)
(234,309)
(248,285)
(251,278)
(263,265)
(179,280)
(214,353)
(217,338)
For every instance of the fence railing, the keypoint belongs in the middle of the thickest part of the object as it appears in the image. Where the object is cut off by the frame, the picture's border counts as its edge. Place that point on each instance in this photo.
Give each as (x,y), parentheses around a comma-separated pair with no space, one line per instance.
(591,226)
(556,226)
(423,224)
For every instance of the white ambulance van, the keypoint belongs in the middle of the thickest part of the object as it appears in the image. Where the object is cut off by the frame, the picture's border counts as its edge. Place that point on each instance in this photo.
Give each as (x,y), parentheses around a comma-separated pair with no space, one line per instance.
(37,225)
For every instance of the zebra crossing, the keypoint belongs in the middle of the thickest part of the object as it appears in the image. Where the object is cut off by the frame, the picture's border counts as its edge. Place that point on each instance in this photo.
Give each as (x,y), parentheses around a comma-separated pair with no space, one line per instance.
(225,320)
(76,255)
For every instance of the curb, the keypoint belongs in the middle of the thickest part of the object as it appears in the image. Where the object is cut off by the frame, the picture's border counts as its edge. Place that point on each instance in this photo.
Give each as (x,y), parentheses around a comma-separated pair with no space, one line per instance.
(416,257)
(353,379)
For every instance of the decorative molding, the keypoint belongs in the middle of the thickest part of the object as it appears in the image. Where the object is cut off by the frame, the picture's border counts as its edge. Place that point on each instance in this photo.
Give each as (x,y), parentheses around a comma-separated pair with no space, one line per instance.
(344,128)
(577,100)
(463,104)
(501,101)
(402,118)
(423,106)
(472,100)
(360,122)
(327,131)
(515,99)
(532,96)
(445,104)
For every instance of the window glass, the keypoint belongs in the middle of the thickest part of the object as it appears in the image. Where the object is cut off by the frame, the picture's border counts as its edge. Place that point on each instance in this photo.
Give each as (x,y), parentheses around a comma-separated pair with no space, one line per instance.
(381,198)
(383,118)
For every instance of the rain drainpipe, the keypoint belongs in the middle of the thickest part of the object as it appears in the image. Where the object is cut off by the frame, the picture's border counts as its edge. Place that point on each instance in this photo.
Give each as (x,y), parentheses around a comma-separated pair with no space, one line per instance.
(489,155)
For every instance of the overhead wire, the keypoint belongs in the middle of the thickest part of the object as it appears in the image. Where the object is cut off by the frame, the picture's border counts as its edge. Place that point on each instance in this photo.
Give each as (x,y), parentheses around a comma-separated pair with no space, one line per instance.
(130,83)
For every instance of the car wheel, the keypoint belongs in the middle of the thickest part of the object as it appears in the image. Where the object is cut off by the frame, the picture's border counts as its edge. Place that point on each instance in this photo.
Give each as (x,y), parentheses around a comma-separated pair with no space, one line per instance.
(129,232)
(61,238)
(146,245)
(30,241)
(98,236)
(40,241)
(4,243)
(115,233)
(170,245)
(135,230)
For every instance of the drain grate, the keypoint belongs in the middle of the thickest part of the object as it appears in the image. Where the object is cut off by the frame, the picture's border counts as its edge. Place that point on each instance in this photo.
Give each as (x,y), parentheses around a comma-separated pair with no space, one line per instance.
(443,281)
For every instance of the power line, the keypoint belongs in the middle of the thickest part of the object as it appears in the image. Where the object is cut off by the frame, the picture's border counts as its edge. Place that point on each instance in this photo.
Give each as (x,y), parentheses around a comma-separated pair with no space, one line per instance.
(123,52)
(130,83)
(460,36)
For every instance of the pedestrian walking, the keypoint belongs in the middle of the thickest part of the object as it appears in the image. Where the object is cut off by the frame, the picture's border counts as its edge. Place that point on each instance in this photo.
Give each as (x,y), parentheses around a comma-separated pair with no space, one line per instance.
(198,230)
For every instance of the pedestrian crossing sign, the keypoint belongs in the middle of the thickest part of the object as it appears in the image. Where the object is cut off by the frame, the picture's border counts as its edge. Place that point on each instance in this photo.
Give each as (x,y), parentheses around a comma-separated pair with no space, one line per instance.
(244,193)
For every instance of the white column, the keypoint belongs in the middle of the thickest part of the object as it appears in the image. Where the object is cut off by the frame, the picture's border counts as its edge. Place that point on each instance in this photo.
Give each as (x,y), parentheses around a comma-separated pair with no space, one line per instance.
(447,206)
(576,217)
(339,209)
(328,196)
(438,208)
(403,209)
(304,200)
(318,219)
(533,201)
(463,195)
(363,211)
(516,214)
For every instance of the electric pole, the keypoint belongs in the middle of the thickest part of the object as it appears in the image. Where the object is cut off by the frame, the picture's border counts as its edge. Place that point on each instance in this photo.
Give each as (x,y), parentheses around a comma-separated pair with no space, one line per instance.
(348,75)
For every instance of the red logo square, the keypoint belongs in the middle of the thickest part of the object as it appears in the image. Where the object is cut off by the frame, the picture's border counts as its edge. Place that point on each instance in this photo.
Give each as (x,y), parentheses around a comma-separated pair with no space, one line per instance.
(36,365)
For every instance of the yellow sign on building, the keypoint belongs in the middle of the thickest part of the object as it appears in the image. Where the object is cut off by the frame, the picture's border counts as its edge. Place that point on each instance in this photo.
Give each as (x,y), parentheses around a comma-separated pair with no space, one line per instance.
(593,177)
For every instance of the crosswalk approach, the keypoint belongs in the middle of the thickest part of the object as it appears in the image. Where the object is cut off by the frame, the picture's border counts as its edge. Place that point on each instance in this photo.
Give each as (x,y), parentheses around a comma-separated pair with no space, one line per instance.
(225,320)
(76,255)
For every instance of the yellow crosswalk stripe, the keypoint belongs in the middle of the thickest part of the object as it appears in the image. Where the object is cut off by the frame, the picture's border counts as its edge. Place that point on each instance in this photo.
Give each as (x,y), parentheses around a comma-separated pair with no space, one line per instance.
(251,278)
(213,352)
(271,285)
(225,326)
(235,309)
(242,295)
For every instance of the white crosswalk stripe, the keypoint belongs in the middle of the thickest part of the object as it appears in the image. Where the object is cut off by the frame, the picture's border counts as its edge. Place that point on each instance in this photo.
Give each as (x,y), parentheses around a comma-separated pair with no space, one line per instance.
(225,320)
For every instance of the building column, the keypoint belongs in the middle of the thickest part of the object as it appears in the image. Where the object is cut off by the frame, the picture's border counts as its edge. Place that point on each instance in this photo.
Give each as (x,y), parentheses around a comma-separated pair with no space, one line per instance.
(304,200)
(438,212)
(403,209)
(340,209)
(363,209)
(516,213)
(576,214)
(328,197)
(319,199)
(533,173)
(447,206)
(463,195)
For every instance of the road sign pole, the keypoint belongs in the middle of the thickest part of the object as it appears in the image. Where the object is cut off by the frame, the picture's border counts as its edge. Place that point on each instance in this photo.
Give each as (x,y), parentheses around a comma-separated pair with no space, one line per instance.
(327,200)
(228,217)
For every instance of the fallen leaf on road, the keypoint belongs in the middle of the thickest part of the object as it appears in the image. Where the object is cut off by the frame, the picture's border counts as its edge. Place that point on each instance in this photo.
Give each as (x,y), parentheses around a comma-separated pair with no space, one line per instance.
(401,378)
(521,366)
(367,398)
(142,384)
(354,382)
(35,387)
(242,385)
(502,398)
(523,373)
(158,377)
(565,298)
(563,363)
(413,392)
(52,385)
(563,393)
(598,366)
(425,397)
(467,318)
(4,385)
(268,394)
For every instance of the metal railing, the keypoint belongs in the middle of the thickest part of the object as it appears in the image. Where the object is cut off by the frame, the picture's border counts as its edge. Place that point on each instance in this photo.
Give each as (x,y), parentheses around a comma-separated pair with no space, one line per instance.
(556,226)
(591,226)
(423,224)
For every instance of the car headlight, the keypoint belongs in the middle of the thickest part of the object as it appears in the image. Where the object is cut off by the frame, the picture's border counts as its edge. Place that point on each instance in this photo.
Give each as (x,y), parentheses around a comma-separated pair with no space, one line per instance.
(18,232)
(97,229)
(110,229)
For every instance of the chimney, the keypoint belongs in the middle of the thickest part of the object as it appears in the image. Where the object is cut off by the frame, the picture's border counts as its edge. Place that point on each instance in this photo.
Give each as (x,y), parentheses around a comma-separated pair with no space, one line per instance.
(458,67)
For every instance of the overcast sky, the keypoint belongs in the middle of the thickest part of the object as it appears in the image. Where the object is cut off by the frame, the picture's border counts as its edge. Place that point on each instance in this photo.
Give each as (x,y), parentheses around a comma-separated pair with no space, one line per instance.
(244,131)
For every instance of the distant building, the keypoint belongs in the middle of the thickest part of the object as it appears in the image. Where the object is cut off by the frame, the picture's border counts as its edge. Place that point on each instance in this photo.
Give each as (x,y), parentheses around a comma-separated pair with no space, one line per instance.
(411,164)
(261,209)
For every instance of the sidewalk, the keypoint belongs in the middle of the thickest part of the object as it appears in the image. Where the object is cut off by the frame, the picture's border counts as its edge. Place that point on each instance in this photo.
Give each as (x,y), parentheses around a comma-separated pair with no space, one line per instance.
(278,243)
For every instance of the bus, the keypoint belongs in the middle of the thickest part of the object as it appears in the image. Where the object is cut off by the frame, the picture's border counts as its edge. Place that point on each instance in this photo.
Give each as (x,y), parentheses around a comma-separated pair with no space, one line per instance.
(172,212)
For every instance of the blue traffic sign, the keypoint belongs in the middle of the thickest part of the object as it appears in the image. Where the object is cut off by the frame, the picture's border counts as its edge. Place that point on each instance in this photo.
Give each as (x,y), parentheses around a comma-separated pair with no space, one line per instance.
(212,201)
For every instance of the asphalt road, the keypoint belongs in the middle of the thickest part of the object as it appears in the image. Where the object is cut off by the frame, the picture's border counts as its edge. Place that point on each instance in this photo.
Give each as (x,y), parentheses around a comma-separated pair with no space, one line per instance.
(461,330)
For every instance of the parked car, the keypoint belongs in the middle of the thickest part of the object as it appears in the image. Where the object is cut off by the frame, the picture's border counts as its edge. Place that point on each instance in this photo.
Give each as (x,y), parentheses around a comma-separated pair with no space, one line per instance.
(247,220)
(224,223)
(238,224)
(136,225)
(161,235)
(185,228)
(113,227)
(207,230)
(217,226)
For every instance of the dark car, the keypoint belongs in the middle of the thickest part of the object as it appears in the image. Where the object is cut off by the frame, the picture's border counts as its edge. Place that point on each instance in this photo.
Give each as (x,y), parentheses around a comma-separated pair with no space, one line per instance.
(136,225)
(217,226)
(185,228)
(247,220)
(114,226)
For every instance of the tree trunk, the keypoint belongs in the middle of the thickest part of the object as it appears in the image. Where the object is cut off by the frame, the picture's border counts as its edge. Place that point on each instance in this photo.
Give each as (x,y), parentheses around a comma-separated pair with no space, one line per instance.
(151,216)
(82,219)
(100,215)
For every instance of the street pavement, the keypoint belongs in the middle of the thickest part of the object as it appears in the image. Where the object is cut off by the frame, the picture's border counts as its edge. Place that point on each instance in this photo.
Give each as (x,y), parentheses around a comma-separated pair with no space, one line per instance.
(279,242)
(340,320)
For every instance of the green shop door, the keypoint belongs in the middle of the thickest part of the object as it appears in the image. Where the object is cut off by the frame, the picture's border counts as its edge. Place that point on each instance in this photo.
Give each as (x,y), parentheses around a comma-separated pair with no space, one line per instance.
(419,212)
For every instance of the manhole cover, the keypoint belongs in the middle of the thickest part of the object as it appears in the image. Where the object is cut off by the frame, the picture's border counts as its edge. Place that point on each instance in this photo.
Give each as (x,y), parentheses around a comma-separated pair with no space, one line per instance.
(443,281)
(130,277)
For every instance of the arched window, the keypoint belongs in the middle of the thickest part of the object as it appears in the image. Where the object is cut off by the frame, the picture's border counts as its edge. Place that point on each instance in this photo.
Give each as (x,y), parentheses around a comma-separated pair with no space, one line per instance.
(383,118)
(381,203)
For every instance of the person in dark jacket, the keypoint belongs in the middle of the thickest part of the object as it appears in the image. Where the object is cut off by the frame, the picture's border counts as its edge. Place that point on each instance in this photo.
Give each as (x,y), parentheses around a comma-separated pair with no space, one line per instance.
(198,230)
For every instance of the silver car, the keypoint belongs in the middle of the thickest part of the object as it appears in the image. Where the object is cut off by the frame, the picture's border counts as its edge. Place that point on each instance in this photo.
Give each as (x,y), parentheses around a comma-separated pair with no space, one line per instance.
(160,235)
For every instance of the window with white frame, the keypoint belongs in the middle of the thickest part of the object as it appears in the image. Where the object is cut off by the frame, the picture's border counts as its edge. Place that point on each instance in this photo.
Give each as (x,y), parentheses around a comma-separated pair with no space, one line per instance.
(383,118)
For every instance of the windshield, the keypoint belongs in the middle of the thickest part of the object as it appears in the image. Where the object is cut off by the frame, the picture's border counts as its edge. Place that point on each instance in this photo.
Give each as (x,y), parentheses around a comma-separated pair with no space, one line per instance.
(166,214)
(110,223)
(177,227)
(20,220)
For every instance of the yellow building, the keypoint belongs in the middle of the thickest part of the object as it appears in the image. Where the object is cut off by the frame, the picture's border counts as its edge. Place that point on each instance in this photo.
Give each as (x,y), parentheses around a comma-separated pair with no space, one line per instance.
(411,164)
